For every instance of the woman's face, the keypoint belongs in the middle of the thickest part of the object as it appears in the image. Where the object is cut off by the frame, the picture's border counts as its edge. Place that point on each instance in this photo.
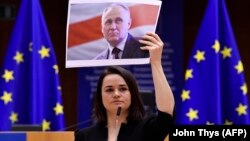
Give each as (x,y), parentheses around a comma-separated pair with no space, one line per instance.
(115,93)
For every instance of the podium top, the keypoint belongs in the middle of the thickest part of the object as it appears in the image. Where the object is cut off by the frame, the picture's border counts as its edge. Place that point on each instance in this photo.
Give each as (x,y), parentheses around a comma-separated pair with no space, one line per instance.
(37,136)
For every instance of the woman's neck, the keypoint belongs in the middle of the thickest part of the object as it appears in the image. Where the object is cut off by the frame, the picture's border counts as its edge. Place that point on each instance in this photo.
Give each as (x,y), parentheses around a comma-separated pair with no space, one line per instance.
(114,124)
(112,119)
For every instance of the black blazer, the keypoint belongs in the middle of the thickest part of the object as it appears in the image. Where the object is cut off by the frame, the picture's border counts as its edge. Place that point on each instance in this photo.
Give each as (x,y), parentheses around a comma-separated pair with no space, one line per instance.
(131,50)
(154,128)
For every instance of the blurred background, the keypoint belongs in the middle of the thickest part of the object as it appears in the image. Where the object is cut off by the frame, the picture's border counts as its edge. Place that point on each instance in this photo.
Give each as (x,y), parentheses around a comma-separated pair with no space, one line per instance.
(178,26)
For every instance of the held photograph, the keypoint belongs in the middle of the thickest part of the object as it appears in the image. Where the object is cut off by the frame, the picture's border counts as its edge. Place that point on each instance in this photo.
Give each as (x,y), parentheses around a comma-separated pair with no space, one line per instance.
(107,32)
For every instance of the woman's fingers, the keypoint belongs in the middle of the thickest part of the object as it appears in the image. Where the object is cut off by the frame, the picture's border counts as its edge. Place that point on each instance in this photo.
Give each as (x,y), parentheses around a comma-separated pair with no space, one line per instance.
(146,42)
(151,40)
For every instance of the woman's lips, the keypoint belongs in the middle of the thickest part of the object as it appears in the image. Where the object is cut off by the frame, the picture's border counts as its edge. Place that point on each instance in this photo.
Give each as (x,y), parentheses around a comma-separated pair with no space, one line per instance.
(117,102)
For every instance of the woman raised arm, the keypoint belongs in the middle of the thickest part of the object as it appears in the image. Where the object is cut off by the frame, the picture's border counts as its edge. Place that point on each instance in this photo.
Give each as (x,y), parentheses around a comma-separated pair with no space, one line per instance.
(164,96)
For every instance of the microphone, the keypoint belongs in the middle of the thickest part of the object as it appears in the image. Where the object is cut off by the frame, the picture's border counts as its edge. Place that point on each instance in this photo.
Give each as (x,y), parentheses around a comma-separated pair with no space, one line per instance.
(118,113)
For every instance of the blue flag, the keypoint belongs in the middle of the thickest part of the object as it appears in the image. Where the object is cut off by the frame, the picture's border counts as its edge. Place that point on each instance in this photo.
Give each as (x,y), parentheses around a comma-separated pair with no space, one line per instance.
(29,83)
(215,90)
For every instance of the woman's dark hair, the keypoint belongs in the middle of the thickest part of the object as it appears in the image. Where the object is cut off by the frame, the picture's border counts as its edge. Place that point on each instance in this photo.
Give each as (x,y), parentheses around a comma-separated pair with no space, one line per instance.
(136,109)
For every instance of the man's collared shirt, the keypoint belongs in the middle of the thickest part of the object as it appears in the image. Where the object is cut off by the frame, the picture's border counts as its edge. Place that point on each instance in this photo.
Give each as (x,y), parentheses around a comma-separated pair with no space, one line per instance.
(121,46)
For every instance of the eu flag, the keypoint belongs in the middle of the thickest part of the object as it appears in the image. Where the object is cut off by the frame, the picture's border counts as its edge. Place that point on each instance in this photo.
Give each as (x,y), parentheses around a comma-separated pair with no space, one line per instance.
(29,82)
(215,90)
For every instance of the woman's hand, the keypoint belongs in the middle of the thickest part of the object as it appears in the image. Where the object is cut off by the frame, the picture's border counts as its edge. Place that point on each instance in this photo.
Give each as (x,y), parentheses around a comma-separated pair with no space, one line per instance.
(154,45)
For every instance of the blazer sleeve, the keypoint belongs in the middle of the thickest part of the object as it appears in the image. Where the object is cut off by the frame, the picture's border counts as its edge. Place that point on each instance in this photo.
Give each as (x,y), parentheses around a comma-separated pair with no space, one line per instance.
(79,135)
(158,127)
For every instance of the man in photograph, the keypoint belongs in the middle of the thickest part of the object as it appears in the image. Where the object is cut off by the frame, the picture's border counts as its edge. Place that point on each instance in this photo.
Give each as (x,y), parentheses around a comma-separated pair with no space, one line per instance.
(116,22)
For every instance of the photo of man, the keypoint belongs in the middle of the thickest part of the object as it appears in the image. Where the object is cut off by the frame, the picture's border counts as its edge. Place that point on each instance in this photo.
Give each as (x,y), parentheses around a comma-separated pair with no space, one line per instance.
(116,22)
(107,32)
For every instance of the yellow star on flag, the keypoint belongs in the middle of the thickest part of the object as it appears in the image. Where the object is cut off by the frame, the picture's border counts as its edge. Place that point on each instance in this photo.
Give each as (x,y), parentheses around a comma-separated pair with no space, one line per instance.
(216,46)
(18,57)
(59,88)
(185,95)
(30,47)
(7,97)
(226,52)
(241,109)
(239,67)
(209,123)
(244,88)
(192,114)
(55,67)
(44,52)
(227,122)
(189,74)
(45,125)
(199,56)
(8,75)
(13,117)
(58,109)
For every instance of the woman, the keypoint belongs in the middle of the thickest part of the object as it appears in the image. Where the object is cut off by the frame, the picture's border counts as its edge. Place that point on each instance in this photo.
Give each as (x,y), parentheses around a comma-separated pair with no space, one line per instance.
(118,107)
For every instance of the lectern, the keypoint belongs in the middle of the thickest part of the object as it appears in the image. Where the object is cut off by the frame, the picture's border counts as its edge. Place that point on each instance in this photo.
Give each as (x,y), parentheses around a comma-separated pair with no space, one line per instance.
(37,136)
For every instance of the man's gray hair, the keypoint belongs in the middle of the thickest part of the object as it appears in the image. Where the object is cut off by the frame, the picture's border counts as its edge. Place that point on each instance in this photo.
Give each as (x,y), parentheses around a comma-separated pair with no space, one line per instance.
(125,7)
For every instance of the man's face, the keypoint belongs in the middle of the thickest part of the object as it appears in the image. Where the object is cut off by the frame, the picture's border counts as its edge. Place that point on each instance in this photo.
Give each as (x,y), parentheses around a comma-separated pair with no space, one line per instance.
(115,24)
